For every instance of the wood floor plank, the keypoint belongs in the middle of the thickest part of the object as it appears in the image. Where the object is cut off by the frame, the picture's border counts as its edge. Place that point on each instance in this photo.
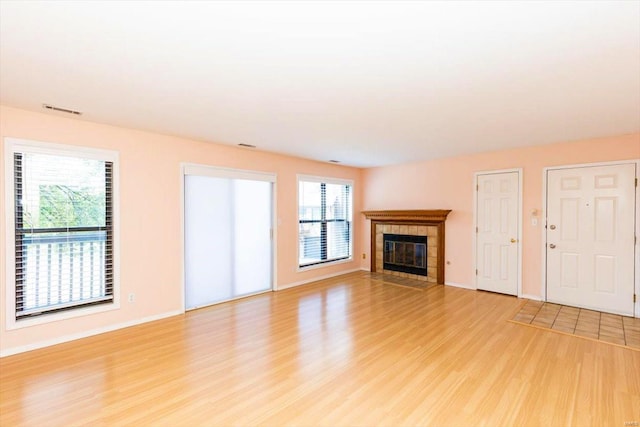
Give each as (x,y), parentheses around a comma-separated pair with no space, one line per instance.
(350,350)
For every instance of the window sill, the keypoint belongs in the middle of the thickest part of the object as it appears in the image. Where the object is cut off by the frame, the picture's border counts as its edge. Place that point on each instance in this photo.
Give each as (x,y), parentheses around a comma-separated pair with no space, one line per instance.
(54,317)
(324,264)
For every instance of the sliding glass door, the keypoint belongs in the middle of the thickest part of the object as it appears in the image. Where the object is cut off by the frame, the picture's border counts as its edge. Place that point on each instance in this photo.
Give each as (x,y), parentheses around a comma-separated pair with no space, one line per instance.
(228,220)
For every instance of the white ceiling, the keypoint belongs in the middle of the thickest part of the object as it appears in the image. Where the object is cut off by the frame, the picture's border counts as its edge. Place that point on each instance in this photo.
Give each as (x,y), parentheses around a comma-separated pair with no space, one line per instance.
(366,83)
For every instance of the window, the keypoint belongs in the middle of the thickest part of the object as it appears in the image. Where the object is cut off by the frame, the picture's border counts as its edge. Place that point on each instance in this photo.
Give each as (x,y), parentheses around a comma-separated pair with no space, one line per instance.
(63,223)
(324,216)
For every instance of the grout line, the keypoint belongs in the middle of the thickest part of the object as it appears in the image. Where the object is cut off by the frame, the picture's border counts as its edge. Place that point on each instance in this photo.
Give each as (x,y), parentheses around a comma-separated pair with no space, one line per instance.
(545,328)
(556,318)
(599,323)
(538,312)
(575,325)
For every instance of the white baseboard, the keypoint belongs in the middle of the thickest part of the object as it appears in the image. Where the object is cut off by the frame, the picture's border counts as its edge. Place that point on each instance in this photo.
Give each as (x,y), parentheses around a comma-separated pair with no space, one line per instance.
(85,334)
(531,297)
(315,279)
(459,285)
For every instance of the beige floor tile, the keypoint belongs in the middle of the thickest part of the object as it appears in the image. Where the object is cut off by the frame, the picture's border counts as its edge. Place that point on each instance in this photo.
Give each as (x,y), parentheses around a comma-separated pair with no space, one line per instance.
(589,322)
(586,314)
(588,334)
(611,331)
(564,324)
(551,316)
(581,322)
(594,319)
(611,319)
(525,318)
(540,322)
(634,336)
(566,319)
(574,313)
(546,318)
(633,342)
(569,315)
(615,340)
(595,329)
(534,304)
(563,328)
(631,324)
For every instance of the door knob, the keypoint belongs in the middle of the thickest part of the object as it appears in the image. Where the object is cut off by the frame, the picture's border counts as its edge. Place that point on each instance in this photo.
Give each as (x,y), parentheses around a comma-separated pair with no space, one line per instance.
(514,240)
(553,227)
(552,246)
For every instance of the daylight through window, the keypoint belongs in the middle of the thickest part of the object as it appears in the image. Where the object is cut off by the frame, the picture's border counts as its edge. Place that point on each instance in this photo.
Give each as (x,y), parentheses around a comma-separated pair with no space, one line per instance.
(63,232)
(324,215)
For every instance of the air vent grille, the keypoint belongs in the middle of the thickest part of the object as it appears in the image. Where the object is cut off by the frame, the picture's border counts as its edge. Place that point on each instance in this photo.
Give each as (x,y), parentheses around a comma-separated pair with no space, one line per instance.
(61,110)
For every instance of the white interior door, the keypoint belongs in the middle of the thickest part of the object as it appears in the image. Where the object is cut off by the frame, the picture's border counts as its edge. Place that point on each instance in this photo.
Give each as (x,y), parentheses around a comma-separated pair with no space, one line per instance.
(497,226)
(228,247)
(590,237)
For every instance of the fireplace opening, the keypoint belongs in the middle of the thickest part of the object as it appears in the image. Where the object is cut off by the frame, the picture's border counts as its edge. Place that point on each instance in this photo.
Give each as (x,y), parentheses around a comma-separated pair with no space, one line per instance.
(406,254)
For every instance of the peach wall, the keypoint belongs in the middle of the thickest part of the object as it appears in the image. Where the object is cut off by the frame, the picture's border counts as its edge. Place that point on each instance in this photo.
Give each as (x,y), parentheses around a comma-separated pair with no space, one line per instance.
(448,184)
(150,201)
(150,228)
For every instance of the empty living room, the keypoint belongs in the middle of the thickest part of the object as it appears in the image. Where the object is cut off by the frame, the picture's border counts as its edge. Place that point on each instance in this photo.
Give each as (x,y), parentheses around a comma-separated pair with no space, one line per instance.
(319,213)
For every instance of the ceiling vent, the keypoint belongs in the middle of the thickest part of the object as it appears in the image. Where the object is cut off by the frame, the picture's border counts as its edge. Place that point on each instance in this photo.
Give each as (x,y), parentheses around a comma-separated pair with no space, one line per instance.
(61,110)
(246,145)
(334,161)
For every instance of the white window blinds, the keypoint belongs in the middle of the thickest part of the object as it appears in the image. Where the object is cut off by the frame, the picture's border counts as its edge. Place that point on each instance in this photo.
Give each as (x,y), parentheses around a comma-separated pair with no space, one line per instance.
(63,232)
(325,216)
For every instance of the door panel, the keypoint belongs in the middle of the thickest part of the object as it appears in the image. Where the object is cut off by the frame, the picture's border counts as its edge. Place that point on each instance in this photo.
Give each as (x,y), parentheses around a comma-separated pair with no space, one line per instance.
(569,277)
(206,275)
(228,249)
(252,231)
(497,223)
(569,219)
(590,237)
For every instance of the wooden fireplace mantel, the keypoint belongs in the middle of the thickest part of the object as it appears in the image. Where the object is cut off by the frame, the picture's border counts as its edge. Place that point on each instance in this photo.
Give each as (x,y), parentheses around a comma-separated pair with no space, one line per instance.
(431,217)
(424,215)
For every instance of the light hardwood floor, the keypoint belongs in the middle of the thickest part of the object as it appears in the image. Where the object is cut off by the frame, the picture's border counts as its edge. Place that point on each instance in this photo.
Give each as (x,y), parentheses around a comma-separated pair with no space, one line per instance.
(345,351)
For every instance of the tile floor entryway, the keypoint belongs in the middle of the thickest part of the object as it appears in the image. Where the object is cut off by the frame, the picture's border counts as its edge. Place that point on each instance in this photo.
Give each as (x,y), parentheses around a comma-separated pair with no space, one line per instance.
(581,322)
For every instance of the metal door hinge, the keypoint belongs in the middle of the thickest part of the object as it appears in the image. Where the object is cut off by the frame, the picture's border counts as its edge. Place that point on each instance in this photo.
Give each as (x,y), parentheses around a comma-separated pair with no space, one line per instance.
(478,187)
(636,182)
(634,297)
(476,229)
(476,271)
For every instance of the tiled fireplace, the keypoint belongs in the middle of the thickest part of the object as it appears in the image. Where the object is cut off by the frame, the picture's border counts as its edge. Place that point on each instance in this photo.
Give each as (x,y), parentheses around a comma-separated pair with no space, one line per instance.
(408,243)
(404,253)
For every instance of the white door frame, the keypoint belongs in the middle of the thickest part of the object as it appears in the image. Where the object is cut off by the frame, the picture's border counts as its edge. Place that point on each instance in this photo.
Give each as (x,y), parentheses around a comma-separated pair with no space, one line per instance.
(543,229)
(210,170)
(475,223)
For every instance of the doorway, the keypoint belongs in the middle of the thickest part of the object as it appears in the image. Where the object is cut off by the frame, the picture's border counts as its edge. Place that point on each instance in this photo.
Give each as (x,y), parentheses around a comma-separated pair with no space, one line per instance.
(590,236)
(228,233)
(498,229)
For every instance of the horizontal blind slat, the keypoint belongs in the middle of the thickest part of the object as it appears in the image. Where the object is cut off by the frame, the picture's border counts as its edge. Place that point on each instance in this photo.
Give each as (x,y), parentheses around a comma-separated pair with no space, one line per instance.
(325,211)
(64,233)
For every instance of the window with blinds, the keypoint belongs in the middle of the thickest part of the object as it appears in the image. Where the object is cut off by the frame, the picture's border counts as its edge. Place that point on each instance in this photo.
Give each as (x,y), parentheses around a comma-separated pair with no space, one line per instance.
(63,232)
(324,216)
